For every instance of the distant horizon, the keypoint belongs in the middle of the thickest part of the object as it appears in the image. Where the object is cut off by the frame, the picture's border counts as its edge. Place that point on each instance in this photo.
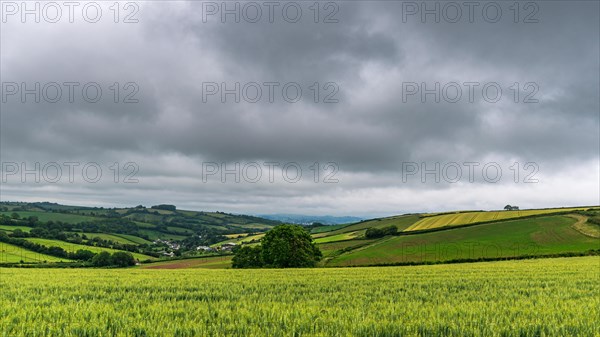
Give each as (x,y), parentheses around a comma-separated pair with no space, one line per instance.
(258,214)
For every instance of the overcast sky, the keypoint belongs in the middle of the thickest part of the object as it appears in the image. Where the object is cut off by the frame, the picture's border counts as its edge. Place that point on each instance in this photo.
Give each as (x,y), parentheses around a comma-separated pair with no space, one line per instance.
(360,132)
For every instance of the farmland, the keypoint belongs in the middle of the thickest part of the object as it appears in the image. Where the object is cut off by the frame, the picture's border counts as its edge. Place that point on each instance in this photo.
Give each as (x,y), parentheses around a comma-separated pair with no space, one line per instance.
(547,297)
(530,236)
(48,216)
(211,262)
(71,247)
(13,254)
(465,218)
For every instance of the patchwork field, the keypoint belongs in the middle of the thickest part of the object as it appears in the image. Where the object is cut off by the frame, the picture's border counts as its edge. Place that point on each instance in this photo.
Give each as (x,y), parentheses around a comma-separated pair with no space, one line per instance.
(531,236)
(465,218)
(548,297)
(71,247)
(401,222)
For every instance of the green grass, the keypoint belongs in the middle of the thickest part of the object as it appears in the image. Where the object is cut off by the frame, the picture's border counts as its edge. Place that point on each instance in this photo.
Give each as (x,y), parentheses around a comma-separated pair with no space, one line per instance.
(71,247)
(48,216)
(144,224)
(153,235)
(340,237)
(244,239)
(134,239)
(535,236)
(180,230)
(212,262)
(332,248)
(14,254)
(328,228)
(547,297)
(112,237)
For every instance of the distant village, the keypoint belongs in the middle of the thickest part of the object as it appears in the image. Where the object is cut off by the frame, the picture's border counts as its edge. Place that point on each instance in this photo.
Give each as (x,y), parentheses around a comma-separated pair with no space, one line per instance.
(173,246)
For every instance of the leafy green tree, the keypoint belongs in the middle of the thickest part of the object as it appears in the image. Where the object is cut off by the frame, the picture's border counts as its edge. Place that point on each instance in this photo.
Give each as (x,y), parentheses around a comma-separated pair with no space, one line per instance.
(102,259)
(289,246)
(381,232)
(122,259)
(83,255)
(247,257)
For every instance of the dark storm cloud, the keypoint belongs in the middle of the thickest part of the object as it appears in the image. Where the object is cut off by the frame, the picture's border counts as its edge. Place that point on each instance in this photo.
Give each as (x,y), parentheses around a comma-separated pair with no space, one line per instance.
(369,133)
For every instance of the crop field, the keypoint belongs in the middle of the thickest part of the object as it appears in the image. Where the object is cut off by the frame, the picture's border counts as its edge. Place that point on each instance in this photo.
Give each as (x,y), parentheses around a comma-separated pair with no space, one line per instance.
(547,297)
(465,218)
(531,236)
(13,254)
(71,247)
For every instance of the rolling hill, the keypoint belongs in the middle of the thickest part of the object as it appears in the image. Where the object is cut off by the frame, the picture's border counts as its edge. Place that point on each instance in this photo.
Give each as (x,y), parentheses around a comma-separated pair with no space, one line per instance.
(200,238)
(147,233)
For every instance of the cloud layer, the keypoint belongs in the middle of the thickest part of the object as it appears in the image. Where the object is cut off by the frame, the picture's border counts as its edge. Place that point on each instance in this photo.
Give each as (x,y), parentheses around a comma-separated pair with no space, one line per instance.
(354,117)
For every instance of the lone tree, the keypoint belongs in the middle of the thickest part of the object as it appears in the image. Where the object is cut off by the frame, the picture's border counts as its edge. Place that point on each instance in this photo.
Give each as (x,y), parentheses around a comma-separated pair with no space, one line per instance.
(285,246)
(247,257)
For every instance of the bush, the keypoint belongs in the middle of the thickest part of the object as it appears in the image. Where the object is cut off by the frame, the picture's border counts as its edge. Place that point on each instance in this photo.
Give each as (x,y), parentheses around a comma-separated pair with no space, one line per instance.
(122,259)
(117,259)
(102,259)
(82,255)
(372,233)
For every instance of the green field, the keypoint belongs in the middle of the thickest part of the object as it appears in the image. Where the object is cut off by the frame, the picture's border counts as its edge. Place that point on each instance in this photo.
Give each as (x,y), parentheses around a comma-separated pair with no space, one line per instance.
(340,237)
(12,228)
(111,237)
(532,236)
(14,254)
(119,238)
(212,262)
(328,228)
(153,235)
(244,239)
(332,248)
(72,247)
(134,239)
(547,297)
(49,216)
(401,222)
(465,218)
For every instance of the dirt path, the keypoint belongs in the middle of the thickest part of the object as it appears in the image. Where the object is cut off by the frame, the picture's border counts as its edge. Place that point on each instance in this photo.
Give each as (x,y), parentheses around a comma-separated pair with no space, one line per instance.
(583,227)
